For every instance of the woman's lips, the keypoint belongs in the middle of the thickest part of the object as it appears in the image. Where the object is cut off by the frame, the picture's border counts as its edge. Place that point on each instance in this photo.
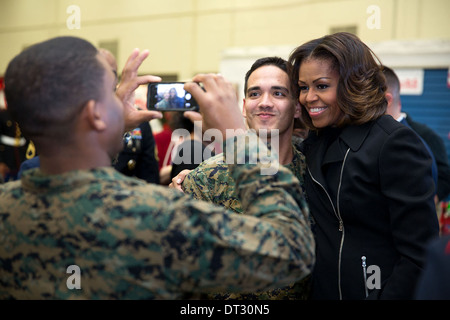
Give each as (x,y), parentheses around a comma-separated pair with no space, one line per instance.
(316,111)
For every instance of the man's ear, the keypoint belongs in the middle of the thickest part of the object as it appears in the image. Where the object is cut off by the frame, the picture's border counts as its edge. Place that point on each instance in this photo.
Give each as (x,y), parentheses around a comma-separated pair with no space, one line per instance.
(389,98)
(243,108)
(94,115)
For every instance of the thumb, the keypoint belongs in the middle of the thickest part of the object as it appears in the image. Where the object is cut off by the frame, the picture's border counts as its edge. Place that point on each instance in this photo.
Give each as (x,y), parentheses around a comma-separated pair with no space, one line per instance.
(193,116)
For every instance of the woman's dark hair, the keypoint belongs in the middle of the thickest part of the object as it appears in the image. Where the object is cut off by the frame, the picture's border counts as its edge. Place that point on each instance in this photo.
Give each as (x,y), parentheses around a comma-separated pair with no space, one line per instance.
(47,84)
(361,88)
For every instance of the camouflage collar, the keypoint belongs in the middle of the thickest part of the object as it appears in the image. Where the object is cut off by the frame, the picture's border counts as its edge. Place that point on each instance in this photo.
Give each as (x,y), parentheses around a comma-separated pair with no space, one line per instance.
(35,181)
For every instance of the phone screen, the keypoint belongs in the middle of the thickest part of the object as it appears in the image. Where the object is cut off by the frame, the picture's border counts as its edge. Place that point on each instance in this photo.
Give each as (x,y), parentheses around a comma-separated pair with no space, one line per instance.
(169,96)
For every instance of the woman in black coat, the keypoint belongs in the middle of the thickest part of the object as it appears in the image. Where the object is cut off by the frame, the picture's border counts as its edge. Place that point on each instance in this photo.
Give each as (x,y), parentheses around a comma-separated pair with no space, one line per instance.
(369,184)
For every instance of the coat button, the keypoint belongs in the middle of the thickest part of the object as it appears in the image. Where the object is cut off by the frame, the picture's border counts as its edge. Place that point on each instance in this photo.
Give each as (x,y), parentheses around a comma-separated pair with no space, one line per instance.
(131,164)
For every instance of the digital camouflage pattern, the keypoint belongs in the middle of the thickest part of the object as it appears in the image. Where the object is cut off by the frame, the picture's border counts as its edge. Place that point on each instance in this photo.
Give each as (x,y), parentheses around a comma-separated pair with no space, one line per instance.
(211,181)
(133,240)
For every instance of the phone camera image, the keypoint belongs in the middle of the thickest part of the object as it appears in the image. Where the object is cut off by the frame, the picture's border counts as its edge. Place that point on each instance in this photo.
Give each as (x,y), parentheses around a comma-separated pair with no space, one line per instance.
(169,96)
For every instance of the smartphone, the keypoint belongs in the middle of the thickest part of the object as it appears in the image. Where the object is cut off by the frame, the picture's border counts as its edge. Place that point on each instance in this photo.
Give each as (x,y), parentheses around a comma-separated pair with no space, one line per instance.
(170,96)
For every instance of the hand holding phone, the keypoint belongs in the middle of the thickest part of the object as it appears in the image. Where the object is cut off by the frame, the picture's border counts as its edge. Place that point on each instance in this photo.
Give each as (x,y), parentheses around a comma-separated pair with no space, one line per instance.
(219,105)
(170,96)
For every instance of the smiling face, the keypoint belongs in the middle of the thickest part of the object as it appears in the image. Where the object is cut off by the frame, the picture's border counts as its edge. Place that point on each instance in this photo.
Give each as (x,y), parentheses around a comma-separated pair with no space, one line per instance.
(318,82)
(268,102)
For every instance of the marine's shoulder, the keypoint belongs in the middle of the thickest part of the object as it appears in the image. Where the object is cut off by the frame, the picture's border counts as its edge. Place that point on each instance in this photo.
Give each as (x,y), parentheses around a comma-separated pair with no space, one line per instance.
(10,189)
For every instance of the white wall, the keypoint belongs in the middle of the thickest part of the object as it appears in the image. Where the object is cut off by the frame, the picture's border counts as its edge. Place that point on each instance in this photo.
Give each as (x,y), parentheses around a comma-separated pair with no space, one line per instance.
(190,36)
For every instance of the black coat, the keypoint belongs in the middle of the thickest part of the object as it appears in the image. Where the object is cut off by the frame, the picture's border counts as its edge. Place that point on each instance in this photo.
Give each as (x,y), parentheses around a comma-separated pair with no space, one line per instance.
(138,159)
(370,192)
(437,146)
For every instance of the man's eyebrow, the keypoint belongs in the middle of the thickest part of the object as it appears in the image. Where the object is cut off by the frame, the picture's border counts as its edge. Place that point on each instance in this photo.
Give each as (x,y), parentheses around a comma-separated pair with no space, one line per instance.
(280,88)
(272,88)
(253,88)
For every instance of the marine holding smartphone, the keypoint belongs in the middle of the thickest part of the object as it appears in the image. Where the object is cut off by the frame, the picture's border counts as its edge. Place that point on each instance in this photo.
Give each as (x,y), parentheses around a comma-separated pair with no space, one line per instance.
(130,239)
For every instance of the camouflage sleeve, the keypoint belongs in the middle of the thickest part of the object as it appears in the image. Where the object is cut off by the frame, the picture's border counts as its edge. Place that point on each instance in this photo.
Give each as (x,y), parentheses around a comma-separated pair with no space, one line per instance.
(273,237)
(211,181)
(196,182)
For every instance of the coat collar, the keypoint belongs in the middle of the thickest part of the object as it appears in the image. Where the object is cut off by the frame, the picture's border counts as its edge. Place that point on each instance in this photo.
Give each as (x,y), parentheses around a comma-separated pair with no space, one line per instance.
(353,136)
(319,149)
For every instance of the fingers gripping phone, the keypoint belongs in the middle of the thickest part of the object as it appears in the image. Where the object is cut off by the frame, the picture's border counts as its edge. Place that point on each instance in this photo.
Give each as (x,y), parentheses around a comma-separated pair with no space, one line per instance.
(170,96)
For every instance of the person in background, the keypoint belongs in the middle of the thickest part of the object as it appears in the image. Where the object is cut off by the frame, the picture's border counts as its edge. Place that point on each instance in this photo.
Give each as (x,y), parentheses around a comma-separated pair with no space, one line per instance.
(130,239)
(394,109)
(368,183)
(14,148)
(164,145)
(29,164)
(138,157)
(434,282)
(189,152)
(429,137)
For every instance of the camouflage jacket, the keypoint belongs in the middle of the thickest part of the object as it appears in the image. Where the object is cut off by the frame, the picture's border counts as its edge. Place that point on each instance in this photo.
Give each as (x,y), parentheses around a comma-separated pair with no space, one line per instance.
(211,181)
(133,240)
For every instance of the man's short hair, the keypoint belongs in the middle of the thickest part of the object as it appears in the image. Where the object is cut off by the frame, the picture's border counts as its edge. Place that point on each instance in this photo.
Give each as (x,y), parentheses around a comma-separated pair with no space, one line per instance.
(392,81)
(48,83)
(266,61)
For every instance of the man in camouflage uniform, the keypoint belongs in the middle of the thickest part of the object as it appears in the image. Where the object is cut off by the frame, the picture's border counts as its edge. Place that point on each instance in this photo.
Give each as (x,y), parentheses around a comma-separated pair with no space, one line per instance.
(268,104)
(129,239)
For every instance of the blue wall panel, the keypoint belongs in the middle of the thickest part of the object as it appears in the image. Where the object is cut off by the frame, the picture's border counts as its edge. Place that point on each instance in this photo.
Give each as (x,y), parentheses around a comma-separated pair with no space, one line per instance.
(433,106)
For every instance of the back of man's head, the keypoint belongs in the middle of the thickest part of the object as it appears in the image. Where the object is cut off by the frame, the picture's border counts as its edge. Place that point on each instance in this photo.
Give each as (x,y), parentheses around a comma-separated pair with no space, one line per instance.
(392,81)
(393,89)
(47,85)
